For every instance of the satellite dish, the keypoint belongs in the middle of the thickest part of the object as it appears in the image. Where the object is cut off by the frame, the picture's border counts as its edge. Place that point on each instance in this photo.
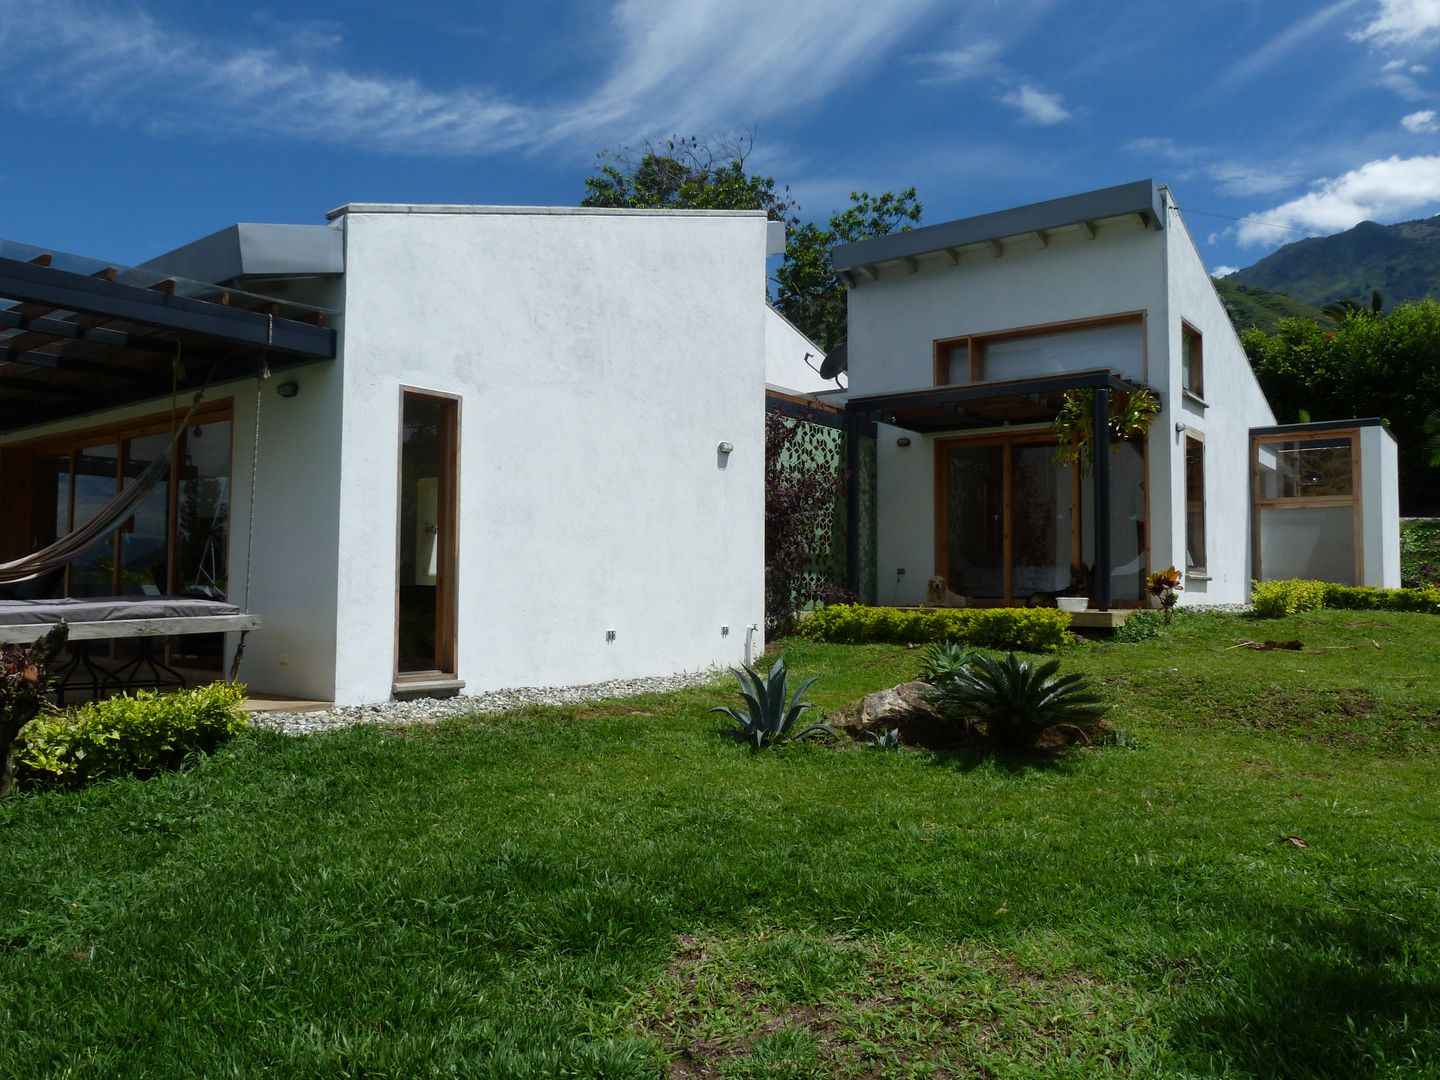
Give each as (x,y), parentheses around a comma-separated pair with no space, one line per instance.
(836,361)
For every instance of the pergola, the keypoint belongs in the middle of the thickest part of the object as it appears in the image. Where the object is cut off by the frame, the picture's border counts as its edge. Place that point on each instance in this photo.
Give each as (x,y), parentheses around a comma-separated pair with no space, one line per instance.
(996,404)
(74,342)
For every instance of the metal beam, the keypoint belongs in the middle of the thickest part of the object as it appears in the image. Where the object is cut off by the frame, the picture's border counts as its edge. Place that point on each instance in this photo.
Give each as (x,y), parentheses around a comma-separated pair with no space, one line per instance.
(1100,444)
(29,283)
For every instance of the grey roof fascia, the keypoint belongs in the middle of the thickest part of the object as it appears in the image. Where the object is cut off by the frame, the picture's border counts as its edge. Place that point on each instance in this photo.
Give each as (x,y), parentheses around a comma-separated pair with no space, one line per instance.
(1141,196)
(1320,427)
(257,250)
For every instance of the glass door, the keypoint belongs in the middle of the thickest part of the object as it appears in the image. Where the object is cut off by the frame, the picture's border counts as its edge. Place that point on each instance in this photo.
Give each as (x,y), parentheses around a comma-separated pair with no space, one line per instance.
(425,592)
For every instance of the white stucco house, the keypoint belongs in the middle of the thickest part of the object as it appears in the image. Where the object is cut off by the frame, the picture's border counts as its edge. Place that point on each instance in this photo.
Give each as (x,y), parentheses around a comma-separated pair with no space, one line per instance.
(491,446)
(964,339)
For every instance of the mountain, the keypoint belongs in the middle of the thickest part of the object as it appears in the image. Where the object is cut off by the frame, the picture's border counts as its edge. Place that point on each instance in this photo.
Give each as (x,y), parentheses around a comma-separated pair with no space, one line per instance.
(1402,261)
(1250,305)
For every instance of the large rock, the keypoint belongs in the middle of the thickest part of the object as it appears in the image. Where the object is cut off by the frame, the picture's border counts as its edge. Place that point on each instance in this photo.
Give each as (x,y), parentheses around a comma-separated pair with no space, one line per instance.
(906,709)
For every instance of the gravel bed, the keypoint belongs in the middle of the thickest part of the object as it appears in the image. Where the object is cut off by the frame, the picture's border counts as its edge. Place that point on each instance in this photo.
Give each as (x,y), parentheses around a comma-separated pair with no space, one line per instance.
(429,710)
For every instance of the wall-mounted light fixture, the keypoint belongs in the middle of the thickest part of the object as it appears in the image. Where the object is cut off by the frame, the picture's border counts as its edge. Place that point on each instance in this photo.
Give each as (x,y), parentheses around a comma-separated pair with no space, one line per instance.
(725,447)
(288,389)
(903,440)
(1179,427)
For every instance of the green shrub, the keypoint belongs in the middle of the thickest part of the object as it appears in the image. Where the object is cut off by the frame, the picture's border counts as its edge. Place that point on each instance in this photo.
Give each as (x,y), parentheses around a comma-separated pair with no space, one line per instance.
(942,659)
(1420,553)
(1027,629)
(128,736)
(1273,599)
(1012,701)
(1140,626)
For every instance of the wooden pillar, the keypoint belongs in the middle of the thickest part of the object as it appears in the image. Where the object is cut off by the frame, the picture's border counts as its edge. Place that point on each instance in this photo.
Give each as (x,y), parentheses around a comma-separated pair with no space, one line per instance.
(1101,444)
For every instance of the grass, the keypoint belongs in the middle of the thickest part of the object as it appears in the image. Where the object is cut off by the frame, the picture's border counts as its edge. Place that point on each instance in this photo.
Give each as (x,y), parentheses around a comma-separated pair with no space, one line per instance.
(615,890)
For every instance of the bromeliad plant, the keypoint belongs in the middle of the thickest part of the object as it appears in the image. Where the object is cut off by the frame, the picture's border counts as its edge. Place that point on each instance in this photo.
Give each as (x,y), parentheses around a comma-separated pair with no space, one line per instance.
(770,715)
(1074,425)
(1166,586)
(1012,701)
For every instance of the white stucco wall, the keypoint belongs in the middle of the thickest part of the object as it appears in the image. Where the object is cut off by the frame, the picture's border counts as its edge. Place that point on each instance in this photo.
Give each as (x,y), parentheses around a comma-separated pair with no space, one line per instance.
(786,349)
(894,322)
(600,358)
(1380,507)
(1233,404)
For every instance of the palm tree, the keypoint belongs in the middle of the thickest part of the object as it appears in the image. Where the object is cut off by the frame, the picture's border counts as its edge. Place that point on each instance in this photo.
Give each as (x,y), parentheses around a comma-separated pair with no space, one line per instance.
(1345,308)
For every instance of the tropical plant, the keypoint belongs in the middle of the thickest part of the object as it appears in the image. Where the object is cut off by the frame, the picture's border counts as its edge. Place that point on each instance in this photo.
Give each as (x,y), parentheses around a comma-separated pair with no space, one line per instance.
(770,715)
(888,740)
(24,680)
(1344,309)
(1431,427)
(1074,425)
(804,480)
(1011,701)
(1166,586)
(942,659)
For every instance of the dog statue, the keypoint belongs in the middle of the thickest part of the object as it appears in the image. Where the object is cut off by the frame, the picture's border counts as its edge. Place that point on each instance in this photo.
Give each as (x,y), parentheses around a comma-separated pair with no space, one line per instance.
(1080,575)
(938,594)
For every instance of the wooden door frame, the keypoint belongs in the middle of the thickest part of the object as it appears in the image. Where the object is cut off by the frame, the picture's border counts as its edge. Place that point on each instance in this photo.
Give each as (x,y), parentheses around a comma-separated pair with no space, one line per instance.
(447,498)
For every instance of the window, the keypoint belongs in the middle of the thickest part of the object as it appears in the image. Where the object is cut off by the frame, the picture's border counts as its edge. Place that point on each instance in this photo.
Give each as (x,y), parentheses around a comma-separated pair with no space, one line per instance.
(1307,506)
(1192,361)
(1116,342)
(952,363)
(425,600)
(1194,503)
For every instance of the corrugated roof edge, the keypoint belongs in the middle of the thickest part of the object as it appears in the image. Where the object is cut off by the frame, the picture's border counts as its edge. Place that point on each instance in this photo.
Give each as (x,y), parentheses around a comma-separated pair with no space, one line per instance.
(543,211)
(1111,202)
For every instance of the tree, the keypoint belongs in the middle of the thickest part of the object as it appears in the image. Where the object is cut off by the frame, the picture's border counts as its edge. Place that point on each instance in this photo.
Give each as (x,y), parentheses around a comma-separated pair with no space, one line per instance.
(803,484)
(1372,365)
(809,293)
(710,174)
(687,173)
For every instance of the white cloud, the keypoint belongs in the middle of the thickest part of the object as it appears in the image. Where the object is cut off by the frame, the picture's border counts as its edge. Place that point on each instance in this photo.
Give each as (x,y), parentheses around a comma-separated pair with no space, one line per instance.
(1037,106)
(1419,69)
(1376,190)
(974,61)
(1422,122)
(1223,271)
(1230,176)
(674,67)
(1401,22)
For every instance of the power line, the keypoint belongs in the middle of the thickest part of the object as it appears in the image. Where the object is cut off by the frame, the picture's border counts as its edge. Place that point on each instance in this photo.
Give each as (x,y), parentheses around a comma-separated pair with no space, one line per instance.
(1249,221)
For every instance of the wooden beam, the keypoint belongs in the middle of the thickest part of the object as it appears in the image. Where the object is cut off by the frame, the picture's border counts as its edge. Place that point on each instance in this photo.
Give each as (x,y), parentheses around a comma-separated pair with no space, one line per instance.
(869,273)
(1144,218)
(954,255)
(43,259)
(911,263)
(1089,229)
(996,248)
(167,286)
(1043,237)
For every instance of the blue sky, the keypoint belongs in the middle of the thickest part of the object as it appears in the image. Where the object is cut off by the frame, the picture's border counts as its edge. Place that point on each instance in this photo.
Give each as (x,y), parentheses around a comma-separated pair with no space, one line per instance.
(133,126)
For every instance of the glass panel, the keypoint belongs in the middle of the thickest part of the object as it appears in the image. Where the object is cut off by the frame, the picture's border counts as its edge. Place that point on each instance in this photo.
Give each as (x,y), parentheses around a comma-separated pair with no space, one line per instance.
(1194,503)
(144,536)
(1308,468)
(1127,522)
(421,462)
(975,499)
(96,467)
(1316,543)
(202,509)
(1117,348)
(1042,532)
(957,367)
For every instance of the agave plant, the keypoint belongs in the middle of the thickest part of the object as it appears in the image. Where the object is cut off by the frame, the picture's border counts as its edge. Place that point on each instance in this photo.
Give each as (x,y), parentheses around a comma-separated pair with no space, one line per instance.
(1014,700)
(770,715)
(942,659)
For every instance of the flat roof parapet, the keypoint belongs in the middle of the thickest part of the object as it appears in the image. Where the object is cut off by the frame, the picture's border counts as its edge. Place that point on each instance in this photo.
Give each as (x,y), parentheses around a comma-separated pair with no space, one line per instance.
(538,211)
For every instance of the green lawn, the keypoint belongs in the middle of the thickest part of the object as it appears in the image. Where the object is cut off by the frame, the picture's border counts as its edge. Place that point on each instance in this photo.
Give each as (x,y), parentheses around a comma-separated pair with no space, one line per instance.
(616,891)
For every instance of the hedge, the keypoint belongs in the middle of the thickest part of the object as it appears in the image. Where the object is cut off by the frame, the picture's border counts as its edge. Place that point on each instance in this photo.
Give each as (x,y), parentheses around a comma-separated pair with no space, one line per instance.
(127,736)
(1027,629)
(1274,599)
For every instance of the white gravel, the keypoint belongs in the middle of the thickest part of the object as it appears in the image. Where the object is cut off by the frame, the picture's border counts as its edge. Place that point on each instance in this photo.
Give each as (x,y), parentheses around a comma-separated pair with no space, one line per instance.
(429,710)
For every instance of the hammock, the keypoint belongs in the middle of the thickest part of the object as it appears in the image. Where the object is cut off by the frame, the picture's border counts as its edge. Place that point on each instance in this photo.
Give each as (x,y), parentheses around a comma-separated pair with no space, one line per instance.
(109,518)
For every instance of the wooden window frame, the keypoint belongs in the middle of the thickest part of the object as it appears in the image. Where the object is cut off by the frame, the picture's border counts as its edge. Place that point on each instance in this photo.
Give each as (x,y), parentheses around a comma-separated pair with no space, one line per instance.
(1201,568)
(1355,499)
(17,456)
(1194,351)
(942,349)
(447,554)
